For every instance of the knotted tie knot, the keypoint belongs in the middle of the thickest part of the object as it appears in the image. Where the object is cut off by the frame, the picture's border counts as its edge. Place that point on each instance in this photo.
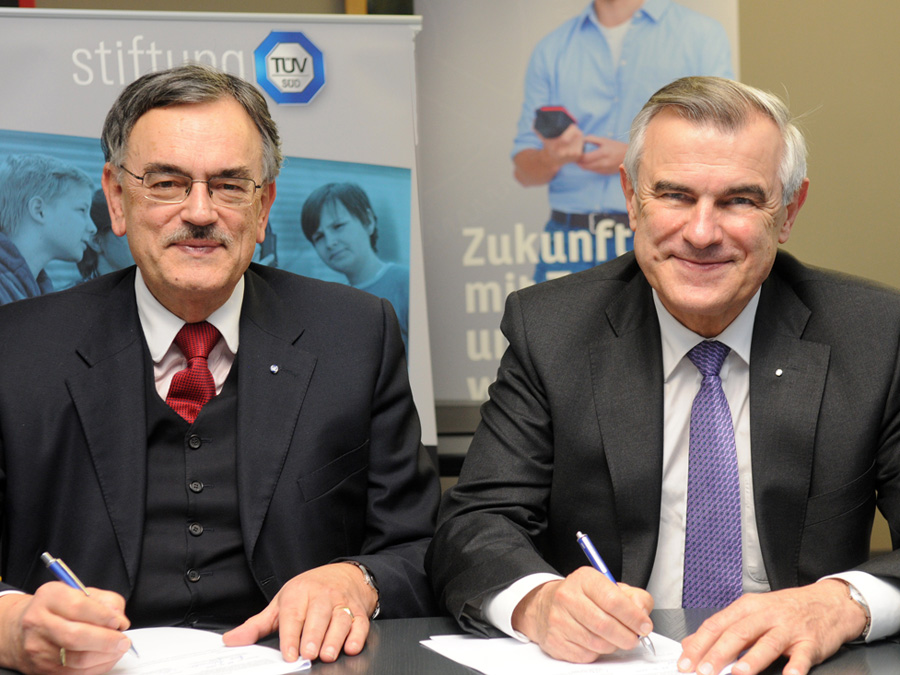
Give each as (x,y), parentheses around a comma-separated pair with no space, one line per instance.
(197,340)
(709,356)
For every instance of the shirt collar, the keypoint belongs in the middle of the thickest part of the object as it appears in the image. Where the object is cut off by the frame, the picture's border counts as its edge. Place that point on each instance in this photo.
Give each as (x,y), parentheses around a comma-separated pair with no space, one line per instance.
(160,326)
(677,340)
(588,16)
(653,9)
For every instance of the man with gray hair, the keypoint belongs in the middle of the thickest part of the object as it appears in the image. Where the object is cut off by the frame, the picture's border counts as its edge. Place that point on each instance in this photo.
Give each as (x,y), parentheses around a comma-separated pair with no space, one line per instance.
(211,442)
(45,214)
(703,408)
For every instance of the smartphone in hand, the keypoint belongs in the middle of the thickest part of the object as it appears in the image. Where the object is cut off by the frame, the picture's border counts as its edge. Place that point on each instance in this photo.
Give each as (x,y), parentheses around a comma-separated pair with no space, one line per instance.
(550,121)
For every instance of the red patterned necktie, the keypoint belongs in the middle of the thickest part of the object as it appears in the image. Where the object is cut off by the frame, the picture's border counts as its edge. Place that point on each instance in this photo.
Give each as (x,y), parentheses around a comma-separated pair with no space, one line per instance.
(193,387)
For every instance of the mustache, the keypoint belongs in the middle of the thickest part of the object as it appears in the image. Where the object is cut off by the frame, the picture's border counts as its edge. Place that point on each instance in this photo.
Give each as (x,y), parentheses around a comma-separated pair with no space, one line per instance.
(189,232)
(714,253)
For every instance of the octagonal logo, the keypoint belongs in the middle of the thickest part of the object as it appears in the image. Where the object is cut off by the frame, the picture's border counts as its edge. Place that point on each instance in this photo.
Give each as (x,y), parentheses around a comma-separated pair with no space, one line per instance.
(289,67)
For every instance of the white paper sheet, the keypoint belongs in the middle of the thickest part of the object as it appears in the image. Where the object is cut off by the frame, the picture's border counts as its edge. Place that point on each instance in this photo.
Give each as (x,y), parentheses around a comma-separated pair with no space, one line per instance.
(501,656)
(185,651)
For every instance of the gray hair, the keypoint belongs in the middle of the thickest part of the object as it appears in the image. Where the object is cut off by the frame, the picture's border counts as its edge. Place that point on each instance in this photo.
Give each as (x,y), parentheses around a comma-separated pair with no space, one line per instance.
(189,83)
(726,105)
(25,176)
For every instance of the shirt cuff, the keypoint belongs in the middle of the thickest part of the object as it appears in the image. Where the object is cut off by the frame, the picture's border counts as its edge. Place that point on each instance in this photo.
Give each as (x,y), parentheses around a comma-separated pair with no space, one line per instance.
(883,598)
(498,607)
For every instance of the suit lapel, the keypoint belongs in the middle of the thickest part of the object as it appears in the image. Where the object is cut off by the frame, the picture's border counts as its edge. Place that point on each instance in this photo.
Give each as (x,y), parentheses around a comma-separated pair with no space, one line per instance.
(273,378)
(631,347)
(109,397)
(787,382)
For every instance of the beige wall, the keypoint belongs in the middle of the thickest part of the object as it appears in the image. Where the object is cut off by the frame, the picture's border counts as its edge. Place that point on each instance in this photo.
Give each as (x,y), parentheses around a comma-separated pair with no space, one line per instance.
(838,63)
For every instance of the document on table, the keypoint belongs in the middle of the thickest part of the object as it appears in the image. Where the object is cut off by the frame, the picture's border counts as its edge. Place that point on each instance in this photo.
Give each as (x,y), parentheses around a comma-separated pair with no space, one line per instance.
(177,651)
(501,656)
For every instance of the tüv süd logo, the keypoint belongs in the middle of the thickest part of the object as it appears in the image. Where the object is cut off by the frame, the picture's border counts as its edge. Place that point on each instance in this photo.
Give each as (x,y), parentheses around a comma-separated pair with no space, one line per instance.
(289,67)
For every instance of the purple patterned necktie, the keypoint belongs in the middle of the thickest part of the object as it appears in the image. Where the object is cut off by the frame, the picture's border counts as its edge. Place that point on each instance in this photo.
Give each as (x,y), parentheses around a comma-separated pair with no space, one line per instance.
(712,546)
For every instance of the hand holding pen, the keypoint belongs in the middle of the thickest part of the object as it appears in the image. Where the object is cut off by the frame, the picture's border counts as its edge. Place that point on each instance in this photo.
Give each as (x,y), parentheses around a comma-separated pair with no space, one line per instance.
(582,617)
(62,572)
(597,562)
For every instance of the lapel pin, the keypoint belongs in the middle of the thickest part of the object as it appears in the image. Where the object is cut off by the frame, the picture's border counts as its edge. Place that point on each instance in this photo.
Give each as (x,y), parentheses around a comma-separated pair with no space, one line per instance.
(778,372)
(273,368)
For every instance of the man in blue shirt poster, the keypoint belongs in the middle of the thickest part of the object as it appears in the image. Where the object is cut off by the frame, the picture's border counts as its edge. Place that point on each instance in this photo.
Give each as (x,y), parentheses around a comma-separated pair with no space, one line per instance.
(601,66)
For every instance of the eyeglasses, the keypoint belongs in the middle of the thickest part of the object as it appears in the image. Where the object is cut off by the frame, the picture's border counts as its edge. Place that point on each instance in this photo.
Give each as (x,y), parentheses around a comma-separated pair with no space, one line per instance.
(173,188)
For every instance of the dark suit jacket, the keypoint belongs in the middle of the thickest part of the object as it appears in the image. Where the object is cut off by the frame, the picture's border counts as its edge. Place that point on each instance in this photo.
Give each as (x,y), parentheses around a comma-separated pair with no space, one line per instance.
(329,459)
(571,438)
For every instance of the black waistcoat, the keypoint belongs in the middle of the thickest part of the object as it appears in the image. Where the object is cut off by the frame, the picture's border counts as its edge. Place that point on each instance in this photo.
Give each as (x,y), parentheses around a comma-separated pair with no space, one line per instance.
(193,570)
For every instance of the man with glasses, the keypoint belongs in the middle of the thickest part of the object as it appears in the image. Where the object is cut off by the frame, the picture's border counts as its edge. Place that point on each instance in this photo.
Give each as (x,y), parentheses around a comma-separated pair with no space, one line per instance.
(211,442)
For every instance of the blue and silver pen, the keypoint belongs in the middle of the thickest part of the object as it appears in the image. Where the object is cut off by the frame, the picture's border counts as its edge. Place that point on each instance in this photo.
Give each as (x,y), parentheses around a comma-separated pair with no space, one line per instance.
(62,572)
(594,556)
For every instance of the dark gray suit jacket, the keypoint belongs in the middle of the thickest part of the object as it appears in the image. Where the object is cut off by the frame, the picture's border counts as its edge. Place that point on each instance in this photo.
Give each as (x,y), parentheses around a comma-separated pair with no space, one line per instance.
(329,459)
(571,438)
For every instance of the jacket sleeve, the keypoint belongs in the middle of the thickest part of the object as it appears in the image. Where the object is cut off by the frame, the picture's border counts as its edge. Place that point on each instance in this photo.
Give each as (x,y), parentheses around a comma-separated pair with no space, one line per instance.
(490,523)
(403,491)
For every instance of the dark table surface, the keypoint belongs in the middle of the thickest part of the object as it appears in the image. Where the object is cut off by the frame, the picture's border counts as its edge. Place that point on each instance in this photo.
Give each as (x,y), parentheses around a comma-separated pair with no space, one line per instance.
(393,649)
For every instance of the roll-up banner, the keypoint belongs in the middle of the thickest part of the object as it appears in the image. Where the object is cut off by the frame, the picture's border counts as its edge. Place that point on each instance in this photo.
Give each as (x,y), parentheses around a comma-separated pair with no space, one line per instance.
(341,88)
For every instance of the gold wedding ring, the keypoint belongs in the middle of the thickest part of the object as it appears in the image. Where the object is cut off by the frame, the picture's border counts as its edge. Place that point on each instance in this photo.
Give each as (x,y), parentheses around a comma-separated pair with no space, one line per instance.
(348,610)
(62,656)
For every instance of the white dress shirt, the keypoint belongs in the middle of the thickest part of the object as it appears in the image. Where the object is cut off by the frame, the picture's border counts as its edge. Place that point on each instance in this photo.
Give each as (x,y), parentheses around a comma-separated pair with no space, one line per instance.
(160,327)
(681,382)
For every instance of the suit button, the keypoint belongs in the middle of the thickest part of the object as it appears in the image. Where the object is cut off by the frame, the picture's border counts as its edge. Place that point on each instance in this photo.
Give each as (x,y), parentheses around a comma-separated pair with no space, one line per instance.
(193,575)
(195,529)
(195,486)
(194,442)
